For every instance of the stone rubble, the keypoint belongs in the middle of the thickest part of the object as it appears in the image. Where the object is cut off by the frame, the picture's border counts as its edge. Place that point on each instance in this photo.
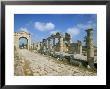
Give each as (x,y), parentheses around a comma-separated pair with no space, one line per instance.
(42,65)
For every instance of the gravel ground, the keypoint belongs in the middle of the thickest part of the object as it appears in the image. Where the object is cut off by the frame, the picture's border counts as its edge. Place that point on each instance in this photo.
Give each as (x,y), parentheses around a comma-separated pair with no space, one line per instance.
(42,65)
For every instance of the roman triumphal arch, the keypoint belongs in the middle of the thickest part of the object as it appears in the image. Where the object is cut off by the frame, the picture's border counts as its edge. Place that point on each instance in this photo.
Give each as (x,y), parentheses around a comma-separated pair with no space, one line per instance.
(22,34)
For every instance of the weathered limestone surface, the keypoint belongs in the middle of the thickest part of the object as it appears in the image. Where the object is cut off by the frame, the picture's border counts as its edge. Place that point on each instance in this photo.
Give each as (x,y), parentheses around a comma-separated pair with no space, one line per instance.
(42,65)
(90,47)
(61,44)
(21,66)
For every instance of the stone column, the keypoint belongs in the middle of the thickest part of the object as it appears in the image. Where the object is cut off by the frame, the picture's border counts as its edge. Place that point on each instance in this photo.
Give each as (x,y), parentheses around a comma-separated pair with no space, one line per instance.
(40,46)
(79,47)
(28,45)
(48,43)
(43,45)
(29,42)
(61,44)
(90,48)
(53,41)
(37,46)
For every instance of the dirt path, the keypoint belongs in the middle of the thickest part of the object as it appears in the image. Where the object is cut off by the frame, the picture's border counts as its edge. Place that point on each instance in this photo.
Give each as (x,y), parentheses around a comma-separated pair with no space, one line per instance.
(42,65)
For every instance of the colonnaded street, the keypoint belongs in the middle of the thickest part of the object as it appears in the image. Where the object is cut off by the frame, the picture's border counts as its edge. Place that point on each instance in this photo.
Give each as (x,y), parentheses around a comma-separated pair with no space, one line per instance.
(29,63)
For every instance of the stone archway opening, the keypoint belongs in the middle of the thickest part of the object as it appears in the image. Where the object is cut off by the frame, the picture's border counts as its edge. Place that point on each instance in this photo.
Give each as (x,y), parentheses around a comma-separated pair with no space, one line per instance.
(24,35)
(23,43)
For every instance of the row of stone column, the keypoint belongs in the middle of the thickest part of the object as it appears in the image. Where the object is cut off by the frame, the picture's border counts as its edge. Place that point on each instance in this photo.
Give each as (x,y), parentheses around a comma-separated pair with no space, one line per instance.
(50,42)
(49,45)
(90,46)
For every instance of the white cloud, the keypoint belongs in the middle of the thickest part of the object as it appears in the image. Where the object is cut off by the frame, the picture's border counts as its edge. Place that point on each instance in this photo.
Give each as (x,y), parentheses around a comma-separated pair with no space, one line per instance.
(44,26)
(73,31)
(84,26)
(24,29)
(89,24)
(50,26)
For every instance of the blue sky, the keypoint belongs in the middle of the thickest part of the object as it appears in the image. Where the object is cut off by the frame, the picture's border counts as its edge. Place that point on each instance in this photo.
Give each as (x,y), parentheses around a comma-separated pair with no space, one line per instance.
(23,41)
(43,25)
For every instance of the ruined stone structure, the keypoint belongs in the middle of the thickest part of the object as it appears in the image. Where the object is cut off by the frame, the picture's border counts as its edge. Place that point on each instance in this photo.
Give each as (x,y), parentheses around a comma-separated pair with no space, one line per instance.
(75,48)
(79,50)
(90,47)
(51,44)
(22,34)
(38,46)
(60,46)
(60,43)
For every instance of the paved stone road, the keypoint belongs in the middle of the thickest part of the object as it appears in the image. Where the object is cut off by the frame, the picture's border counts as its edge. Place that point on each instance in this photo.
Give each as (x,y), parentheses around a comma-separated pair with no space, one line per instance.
(42,65)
